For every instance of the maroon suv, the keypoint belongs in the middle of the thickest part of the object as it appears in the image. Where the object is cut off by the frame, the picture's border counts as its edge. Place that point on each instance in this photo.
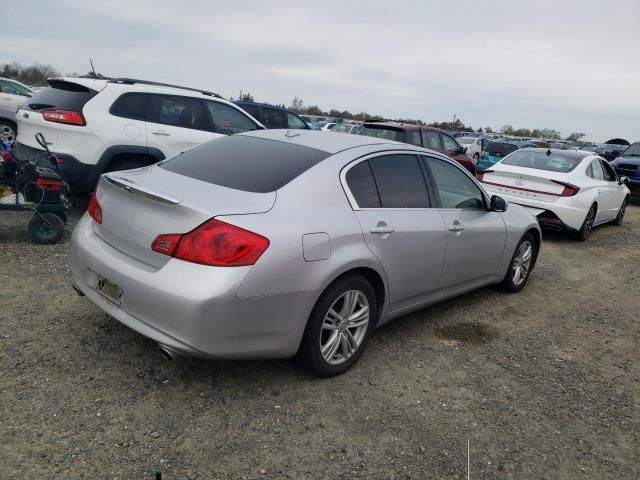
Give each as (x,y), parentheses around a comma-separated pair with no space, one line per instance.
(427,137)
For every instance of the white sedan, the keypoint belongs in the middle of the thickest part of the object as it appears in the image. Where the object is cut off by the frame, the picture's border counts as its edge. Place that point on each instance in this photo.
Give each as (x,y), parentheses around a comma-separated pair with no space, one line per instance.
(564,189)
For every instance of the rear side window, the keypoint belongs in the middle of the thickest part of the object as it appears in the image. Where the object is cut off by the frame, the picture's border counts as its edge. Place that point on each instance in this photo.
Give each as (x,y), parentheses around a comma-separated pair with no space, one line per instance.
(60,94)
(400,181)
(130,105)
(362,185)
(251,110)
(245,163)
(177,111)
(228,120)
(272,118)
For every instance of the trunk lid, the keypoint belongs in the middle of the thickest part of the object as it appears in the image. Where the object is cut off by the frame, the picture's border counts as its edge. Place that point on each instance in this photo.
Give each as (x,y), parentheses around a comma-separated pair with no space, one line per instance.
(527,183)
(138,205)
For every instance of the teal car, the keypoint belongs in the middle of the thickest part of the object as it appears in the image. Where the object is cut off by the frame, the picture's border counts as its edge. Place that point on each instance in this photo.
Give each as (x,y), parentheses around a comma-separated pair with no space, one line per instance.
(496,151)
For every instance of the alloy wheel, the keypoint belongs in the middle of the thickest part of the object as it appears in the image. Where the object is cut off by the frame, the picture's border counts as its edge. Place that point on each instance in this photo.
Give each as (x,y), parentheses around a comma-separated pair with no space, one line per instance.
(621,212)
(7,134)
(522,263)
(344,327)
(588,223)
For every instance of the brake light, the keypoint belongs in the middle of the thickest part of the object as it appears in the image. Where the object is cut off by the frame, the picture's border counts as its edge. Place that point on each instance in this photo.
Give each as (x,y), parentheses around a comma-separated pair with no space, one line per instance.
(94,209)
(64,116)
(569,189)
(213,243)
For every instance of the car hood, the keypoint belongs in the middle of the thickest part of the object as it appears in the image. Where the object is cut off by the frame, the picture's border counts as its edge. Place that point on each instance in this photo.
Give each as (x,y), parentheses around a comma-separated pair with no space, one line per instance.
(627,160)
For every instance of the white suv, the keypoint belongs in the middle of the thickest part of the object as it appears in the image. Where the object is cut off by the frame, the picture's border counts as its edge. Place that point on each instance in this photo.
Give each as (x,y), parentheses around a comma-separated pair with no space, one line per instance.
(12,95)
(95,126)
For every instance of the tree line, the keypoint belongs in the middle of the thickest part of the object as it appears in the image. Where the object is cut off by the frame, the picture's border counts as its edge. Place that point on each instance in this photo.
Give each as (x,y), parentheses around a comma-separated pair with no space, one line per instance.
(36,75)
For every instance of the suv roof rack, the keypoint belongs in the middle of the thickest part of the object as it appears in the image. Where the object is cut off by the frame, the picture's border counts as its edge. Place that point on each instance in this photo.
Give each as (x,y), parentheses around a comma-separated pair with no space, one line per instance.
(132,81)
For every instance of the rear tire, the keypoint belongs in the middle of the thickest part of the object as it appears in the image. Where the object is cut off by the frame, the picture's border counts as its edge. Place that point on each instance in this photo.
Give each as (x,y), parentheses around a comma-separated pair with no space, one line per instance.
(587,225)
(522,262)
(621,212)
(46,228)
(336,333)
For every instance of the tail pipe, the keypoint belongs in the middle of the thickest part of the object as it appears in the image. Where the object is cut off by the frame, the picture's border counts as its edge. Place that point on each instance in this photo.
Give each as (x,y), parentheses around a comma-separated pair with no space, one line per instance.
(166,353)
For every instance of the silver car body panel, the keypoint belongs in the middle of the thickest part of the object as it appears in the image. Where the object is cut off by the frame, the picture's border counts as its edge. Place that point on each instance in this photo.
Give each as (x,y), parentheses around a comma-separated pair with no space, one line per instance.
(261,311)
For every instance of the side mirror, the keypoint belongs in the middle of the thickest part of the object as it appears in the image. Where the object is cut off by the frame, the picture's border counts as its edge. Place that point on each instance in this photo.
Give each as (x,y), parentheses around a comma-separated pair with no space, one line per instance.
(498,204)
(624,180)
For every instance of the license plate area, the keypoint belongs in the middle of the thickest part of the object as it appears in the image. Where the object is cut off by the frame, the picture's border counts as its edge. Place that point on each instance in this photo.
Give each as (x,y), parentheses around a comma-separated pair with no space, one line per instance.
(109,290)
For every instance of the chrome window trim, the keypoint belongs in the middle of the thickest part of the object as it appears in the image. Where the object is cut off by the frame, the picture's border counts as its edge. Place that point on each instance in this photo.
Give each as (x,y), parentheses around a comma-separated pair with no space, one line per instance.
(424,152)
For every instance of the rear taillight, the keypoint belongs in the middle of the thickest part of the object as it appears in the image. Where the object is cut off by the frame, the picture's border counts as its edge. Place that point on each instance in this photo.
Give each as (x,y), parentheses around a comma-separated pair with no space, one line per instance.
(569,189)
(94,209)
(213,243)
(64,116)
(480,175)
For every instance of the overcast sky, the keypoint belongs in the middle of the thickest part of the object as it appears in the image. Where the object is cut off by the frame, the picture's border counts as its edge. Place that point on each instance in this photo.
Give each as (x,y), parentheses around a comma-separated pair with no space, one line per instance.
(572,65)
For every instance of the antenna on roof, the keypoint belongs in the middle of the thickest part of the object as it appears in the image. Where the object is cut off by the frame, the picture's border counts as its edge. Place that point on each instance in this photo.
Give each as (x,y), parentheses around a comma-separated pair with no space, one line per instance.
(95,75)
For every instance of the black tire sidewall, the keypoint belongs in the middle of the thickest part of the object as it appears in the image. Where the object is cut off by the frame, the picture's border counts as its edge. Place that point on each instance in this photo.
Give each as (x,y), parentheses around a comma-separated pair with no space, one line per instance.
(618,220)
(507,283)
(309,354)
(37,235)
(582,234)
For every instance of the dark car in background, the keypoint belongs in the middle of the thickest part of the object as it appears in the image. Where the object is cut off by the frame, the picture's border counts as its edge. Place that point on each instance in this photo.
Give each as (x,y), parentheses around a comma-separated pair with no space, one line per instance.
(427,137)
(627,164)
(273,117)
(610,151)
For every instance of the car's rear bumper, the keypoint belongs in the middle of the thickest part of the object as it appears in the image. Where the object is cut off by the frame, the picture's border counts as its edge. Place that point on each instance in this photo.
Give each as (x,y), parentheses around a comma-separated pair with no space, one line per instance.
(562,215)
(190,309)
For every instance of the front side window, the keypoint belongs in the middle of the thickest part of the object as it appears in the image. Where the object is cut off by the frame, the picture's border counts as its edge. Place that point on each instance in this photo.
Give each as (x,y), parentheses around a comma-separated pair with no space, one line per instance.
(228,120)
(400,181)
(272,118)
(449,144)
(363,186)
(177,111)
(130,105)
(295,122)
(454,187)
(609,174)
(431,140)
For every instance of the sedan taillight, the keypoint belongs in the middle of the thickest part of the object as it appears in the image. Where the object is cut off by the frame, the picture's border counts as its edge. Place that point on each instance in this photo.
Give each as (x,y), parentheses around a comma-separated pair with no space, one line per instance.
(94,209)
(569,189)
(213,243)
(64,116)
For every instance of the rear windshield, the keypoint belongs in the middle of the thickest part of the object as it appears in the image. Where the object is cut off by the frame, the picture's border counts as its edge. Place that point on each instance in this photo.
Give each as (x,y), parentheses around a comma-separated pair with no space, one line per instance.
(541,161)
(500,148)
(245,163)
(386,133)
(62,95)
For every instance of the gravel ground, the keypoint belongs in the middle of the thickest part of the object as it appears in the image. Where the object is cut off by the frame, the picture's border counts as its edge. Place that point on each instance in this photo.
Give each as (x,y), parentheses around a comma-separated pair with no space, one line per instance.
(542,384)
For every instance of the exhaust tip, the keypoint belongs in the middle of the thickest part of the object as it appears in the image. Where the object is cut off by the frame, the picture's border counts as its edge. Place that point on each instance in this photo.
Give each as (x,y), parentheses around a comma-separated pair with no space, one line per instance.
(165,353)
(78,291)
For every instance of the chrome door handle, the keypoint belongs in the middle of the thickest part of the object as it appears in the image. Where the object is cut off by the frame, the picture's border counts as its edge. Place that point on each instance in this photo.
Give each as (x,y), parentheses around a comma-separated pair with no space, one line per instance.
(456,227)
(382,229)
(160,132)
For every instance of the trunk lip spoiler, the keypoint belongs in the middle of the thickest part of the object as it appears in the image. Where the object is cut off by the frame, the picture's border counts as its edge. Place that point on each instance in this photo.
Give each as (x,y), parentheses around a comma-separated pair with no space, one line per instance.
(130,187)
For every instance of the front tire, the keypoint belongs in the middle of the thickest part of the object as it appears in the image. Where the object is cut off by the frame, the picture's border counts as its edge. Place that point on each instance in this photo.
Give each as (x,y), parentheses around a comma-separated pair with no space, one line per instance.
(587,225)
(339,327)
(621,212)
(522,262)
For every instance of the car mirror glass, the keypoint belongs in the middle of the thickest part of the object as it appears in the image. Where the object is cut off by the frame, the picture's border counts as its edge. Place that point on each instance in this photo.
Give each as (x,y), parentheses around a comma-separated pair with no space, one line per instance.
(498,204)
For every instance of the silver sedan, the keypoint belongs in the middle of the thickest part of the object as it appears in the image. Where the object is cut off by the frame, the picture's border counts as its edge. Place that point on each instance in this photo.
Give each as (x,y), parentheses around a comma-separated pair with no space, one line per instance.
(278,243)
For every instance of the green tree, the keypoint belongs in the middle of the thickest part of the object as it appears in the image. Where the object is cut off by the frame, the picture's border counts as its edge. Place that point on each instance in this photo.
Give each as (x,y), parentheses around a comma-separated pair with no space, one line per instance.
(522,132)
(506,129)
(245,97)
(488,129)
(550,133)
(297,105)
(575,136)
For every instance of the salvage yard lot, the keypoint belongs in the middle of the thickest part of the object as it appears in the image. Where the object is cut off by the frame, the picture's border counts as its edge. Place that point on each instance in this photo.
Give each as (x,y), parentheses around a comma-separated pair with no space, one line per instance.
(543,384)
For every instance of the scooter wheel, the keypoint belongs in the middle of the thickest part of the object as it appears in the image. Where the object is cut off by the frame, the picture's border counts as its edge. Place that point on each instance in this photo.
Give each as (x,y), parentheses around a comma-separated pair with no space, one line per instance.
(46,228)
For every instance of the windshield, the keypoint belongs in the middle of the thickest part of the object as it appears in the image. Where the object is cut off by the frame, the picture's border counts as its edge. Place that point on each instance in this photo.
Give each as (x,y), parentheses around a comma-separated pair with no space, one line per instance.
(632,151)
(539,160)
(385,133)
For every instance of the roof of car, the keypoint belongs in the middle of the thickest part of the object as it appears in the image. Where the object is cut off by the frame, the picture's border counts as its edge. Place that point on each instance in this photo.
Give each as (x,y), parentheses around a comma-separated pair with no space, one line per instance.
(258,104)
(328,142)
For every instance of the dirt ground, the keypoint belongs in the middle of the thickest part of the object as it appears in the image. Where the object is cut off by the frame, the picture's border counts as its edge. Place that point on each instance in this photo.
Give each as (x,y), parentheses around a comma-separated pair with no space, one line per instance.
(542,384)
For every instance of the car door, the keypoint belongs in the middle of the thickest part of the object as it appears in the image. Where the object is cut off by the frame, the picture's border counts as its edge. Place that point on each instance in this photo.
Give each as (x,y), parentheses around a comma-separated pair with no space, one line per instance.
(614,192)
(12,95)
(476,236)
(391,202)
(176,123)
(596,182)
